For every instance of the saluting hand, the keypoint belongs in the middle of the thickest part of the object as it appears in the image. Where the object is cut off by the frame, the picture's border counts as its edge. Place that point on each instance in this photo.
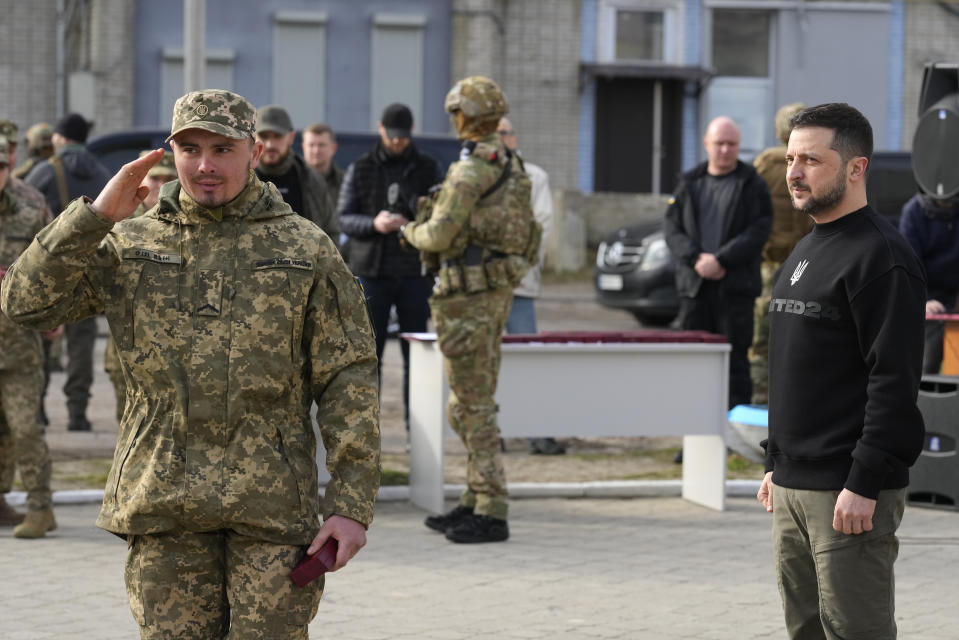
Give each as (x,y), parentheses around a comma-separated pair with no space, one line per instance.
(123,194)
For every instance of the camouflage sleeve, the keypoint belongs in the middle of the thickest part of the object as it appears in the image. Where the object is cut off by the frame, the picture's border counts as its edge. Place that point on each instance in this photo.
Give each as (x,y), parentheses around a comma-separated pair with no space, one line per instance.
(344,382)
(464,184)
(51,283)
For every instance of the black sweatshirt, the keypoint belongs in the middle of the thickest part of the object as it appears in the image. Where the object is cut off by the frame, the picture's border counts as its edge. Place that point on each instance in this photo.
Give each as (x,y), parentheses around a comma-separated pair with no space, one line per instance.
(845,356)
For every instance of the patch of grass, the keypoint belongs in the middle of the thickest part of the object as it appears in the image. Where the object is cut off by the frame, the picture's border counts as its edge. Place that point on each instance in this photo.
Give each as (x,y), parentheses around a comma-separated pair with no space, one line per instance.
(392,477)
(563,277)
(739,467)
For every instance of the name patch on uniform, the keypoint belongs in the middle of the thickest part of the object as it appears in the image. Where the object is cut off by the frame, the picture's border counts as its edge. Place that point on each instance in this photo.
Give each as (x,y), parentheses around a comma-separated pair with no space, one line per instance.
(292,263)
(152,256)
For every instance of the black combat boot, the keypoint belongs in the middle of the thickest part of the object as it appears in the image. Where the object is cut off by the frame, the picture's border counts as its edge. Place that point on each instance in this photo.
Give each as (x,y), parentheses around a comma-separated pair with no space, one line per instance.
(476,528)
(79,423)
(443,522)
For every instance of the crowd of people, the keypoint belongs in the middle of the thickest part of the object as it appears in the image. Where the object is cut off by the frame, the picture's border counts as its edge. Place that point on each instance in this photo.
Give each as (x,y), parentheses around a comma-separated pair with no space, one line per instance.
(244,283)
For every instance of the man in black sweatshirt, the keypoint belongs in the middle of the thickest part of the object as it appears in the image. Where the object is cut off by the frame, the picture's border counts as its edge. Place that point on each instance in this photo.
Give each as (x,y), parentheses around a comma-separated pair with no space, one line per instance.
(845,355)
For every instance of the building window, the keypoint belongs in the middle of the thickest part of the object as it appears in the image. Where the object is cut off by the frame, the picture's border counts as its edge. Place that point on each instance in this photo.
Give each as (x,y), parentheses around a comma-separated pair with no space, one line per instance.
(741,43)
(299,65)
(218,73)
(639,35)
(638,31)
(397,64)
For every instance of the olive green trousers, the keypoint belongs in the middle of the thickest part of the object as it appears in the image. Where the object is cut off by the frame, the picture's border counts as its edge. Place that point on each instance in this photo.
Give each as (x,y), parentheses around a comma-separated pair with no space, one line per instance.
(835,586)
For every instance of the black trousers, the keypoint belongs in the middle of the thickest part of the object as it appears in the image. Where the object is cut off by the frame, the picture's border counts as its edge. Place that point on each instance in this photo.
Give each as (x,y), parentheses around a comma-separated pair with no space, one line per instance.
(80,339)
(731,316)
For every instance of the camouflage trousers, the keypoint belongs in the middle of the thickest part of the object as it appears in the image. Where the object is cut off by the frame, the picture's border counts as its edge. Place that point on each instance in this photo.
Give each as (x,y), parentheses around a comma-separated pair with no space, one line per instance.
(22,442)
(759,352)
(217,584)
(469,328)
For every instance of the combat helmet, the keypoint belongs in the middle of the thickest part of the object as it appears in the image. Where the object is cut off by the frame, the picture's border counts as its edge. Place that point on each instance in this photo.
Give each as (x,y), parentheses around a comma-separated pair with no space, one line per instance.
(478,98)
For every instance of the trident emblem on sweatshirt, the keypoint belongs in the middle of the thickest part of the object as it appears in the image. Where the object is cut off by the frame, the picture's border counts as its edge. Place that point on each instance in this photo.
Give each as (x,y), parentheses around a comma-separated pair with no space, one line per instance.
(797,274)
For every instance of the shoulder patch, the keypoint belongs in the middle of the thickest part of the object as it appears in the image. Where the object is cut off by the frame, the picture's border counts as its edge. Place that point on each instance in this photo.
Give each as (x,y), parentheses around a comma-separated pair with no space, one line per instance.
(283,263)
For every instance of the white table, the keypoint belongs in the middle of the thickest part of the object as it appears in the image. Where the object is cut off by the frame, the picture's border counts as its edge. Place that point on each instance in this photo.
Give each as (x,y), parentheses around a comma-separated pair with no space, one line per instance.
(585,390)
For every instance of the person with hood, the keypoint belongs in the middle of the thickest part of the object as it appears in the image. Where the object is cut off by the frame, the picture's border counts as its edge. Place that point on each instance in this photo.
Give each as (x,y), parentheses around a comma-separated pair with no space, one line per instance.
(71,172)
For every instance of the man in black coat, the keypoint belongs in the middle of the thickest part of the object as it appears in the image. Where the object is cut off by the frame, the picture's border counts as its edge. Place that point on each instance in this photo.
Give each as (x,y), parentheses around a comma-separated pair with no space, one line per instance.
(301,187)
(72,172)
(377,197)
(716,226)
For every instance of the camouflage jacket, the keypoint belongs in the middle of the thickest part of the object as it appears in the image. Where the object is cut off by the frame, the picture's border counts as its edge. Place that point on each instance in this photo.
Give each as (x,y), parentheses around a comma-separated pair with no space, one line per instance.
(789,225)
(20,348)
(229,323)
(460,214)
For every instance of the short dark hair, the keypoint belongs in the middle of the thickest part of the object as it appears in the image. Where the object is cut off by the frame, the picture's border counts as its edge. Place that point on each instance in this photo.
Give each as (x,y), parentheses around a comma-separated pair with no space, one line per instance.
(319,128)
(852,133)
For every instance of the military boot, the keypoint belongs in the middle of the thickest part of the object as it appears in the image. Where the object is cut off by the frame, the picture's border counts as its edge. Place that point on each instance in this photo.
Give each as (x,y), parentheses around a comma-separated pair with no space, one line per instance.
(9,516)
(477,528)
(36,524)
(443,522)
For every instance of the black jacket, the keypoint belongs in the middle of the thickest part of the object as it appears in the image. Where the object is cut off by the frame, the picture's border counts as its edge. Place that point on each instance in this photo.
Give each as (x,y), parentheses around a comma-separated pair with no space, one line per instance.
(84,173)
(845,355)
(745,230)
(365,192)
(318,204)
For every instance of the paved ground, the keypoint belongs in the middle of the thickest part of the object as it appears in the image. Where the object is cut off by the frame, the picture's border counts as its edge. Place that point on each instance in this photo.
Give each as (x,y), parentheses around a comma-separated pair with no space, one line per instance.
(656,568)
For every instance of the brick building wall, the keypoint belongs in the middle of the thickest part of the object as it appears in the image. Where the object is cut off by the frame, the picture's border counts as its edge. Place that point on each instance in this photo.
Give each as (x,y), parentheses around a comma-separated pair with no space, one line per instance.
(112,58)
(99,40)
(28,43)
(531,49)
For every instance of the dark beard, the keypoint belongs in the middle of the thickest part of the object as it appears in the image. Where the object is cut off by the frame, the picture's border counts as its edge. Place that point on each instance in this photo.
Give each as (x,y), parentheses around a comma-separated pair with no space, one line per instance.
(826,201)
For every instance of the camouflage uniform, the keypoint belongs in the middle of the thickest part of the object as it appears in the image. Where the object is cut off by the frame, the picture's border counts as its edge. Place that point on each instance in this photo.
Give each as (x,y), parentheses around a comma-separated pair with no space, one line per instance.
(481,244)
(22,442)
(789,226)
(33,199)
(111,361)
(229,322)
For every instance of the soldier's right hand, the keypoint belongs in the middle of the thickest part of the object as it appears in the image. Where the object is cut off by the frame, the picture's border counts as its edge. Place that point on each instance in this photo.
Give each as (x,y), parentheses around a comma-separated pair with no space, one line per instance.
(123,194)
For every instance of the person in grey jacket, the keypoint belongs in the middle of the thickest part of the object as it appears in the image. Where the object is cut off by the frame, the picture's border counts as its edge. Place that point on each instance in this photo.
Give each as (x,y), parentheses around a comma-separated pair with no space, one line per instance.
(716,226)
(72,172)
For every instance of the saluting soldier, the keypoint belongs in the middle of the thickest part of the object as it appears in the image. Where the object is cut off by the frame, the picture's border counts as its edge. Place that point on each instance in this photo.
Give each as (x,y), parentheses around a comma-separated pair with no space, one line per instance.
(231,315)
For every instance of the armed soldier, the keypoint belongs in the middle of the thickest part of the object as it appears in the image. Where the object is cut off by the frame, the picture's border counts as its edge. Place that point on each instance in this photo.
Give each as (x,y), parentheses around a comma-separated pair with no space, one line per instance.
(483,236)
(231,316)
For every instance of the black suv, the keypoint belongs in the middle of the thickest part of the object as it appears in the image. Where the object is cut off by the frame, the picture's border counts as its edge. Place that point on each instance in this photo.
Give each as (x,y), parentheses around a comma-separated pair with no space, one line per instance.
(116,149)
(635,270)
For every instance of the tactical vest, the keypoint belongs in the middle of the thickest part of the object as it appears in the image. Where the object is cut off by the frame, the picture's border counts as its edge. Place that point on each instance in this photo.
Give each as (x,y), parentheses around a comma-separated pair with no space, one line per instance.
(500,241)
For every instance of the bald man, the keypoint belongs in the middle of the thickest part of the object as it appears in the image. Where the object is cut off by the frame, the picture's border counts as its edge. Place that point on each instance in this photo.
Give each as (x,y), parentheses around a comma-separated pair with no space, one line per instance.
(716,225)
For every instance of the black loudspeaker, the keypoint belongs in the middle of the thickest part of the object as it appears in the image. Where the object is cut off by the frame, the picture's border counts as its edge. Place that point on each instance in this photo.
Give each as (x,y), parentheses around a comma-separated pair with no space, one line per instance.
(934,479)
(935,162)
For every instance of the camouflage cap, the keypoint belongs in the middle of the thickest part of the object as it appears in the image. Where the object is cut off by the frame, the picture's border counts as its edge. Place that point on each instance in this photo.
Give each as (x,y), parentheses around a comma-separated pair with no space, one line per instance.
(216,110)
(477,97)
(4,151)
(39,136)
(165,167)
(9,129)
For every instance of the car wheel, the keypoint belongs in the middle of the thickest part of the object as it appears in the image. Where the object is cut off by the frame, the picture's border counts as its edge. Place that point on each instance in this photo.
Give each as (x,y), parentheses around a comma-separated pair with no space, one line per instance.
(648,320)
